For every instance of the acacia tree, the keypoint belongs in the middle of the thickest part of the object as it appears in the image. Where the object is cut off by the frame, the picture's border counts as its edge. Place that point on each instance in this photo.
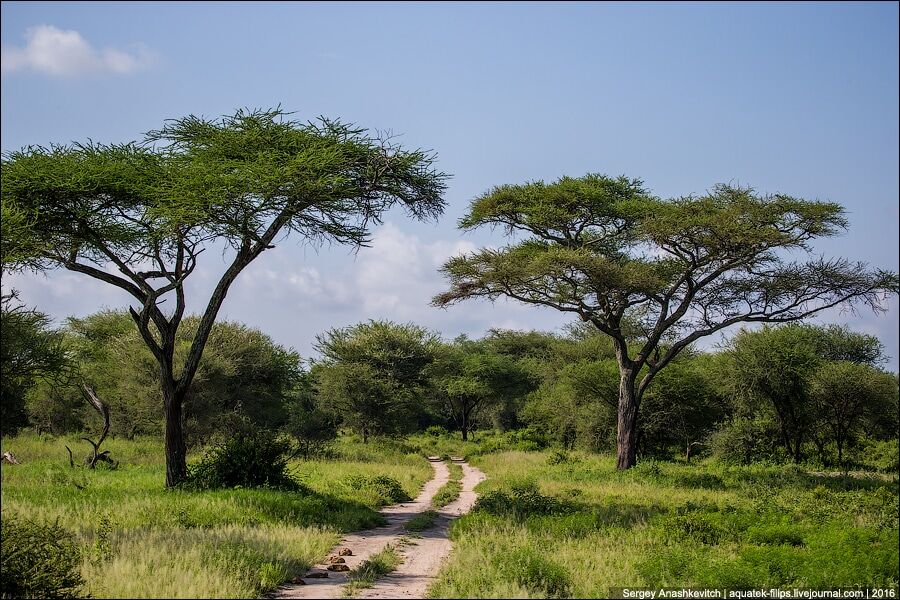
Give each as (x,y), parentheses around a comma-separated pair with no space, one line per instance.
(374,373)
(607,251)
(846,392)
(469,376)
(137,216)
(29,351)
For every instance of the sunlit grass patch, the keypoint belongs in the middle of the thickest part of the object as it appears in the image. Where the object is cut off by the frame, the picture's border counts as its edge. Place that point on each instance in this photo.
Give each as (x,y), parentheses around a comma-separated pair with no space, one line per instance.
(141,540)
(667,525)
(422,521)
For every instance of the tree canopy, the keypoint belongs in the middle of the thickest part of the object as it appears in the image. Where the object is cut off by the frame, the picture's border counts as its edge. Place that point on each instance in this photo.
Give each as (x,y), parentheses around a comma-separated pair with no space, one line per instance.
(673,271)
(138,215)
(372,375)
(29,350)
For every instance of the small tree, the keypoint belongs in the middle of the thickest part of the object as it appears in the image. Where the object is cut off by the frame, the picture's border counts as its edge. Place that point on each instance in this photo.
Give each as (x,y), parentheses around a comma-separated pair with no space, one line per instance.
(356,395)
(770,368)
(149,210)
(606,251)
(844,393)
(29,351)
(373,373)
(307,422)
(468,377)
(795,370)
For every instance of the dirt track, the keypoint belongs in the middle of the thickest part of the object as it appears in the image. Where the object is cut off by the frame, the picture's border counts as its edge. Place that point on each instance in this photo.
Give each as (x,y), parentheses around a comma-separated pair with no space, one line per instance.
(423,556)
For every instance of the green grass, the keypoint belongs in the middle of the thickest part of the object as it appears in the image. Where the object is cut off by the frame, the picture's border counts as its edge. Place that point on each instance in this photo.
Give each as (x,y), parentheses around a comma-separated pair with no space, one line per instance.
(368,572)
(579,528)
(422,521)
(141,540)
(443,445)
(449,492)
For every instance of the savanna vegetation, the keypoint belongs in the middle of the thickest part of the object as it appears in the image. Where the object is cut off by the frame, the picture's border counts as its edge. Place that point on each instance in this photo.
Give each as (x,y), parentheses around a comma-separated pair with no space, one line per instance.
(162,454)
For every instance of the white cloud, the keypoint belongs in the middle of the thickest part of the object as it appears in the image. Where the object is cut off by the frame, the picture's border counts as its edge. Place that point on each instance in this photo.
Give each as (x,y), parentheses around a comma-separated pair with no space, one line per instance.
(62,53)
(398,275)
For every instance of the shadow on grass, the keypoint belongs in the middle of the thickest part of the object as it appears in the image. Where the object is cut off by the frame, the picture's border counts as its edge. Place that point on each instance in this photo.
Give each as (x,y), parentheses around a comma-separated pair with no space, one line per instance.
(301,508)
(734,478)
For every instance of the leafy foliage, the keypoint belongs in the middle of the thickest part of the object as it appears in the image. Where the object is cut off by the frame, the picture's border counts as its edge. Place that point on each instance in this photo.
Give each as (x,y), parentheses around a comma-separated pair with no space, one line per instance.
(29,352)
(246,380)
(257,459)
(469,377)
(521,501)
(150,209)
(307,422)
(373,374)
(818,384)
(38,560)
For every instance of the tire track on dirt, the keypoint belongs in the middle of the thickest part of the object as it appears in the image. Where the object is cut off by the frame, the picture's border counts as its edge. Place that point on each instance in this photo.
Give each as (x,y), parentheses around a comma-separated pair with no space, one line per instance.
(423,557)
(365,544)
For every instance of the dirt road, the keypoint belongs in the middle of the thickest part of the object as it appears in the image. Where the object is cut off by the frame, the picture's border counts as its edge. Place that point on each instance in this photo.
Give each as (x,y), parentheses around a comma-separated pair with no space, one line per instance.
(422,557)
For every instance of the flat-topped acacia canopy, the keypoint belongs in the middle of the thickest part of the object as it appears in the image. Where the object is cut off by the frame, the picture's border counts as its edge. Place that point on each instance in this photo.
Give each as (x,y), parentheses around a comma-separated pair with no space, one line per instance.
(138,215)
(676,270)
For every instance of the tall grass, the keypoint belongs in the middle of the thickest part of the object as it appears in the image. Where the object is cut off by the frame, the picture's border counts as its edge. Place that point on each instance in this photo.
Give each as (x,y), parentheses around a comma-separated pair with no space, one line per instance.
(579,528)
(142,540)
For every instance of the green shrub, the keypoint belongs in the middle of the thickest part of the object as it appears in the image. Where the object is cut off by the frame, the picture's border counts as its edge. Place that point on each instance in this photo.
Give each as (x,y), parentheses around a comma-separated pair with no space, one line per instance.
(255,459)
(534,572)
(696,527)
(529,439)
(422,521)
(648,469)
(775,535)
(388,488)
(883,456)
(523,500)
(742,441)
(560,457)
(38,560)
(436,431)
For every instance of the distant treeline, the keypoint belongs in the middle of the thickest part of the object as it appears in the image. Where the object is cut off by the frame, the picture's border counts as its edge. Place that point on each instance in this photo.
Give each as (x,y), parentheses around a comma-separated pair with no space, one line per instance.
(792,392)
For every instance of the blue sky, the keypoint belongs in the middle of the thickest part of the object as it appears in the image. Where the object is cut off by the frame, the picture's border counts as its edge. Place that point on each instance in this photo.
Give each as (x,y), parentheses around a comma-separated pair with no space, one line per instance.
(793,98)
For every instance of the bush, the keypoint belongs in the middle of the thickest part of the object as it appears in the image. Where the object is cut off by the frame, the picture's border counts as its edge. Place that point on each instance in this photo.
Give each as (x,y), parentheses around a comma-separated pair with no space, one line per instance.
(436,431)
(742,441)
(255,459)
(38,561)
(883,456)
(523,500)
(537,574)
(558,457)
(388,488)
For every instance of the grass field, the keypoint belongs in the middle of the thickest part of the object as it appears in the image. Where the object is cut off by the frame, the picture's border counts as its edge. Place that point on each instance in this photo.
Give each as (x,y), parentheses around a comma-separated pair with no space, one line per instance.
(547,524)
(577,527)
(141,540)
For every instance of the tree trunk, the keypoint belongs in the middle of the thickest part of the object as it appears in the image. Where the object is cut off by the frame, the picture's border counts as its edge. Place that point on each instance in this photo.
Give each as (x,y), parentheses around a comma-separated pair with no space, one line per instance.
(798,448)
(176,450)
(626,438)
